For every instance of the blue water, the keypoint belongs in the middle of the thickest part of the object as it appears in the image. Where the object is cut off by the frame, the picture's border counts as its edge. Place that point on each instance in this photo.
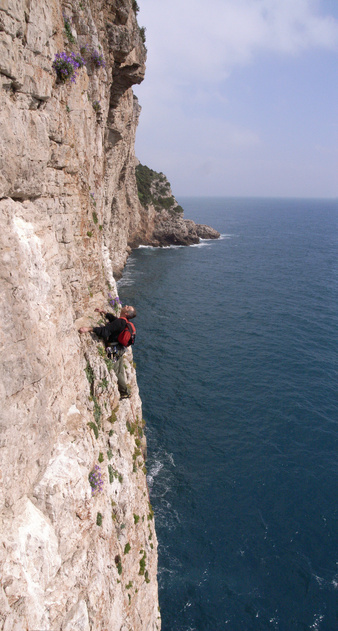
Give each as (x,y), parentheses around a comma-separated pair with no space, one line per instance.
(236,356)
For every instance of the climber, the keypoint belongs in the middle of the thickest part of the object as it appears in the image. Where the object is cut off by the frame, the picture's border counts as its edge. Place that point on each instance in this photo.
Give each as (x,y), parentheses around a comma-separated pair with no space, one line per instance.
(117,334)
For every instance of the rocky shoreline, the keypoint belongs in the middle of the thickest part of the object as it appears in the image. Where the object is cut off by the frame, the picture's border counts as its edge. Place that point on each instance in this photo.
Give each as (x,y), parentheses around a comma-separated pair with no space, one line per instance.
(162,216)
(169,230)
(179,231)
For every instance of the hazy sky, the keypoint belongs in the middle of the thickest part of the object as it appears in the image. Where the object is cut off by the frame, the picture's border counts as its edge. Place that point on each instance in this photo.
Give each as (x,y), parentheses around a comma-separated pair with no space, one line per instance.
(241,96)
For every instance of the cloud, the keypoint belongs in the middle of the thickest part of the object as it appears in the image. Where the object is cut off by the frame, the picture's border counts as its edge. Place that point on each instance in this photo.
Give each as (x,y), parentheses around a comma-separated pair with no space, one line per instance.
(193,40)
(182,140)
(223,95)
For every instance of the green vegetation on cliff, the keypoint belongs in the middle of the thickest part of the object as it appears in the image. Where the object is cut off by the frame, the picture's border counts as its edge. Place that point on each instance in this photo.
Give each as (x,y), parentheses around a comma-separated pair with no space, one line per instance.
(154,188)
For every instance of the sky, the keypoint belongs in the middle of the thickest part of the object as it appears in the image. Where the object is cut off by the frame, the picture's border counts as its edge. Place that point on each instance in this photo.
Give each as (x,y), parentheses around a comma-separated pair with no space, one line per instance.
(240,97)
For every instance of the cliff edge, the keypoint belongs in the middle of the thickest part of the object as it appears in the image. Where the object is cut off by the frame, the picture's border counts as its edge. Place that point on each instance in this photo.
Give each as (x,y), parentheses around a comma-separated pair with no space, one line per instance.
(162,222)
(79,549)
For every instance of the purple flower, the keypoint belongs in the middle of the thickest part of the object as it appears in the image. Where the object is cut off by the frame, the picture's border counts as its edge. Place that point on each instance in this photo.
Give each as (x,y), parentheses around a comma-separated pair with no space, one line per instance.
(114,302)
(97,59)
(66,66)
(95,480)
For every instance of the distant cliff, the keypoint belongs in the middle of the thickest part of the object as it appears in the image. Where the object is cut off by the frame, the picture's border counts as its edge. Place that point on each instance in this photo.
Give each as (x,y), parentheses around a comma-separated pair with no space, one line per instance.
(162,217)
(78,544)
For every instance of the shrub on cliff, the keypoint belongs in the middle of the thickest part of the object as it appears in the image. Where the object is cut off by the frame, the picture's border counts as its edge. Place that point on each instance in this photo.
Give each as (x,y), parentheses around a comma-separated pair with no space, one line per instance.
(154,188)
(135,7)
(143,34)
(164,202)
(68,29)
(67,66)
(144,179)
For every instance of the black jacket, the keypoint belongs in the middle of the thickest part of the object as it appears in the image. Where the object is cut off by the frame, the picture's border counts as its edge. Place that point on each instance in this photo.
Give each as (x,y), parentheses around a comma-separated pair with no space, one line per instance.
(110,332)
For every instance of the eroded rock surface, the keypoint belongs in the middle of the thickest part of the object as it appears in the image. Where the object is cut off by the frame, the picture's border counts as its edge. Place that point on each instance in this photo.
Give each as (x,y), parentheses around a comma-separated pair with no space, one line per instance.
(69,559)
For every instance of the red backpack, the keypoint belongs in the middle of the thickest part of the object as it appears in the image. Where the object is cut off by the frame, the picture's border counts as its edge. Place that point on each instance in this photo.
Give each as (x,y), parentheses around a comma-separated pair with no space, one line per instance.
(127,336)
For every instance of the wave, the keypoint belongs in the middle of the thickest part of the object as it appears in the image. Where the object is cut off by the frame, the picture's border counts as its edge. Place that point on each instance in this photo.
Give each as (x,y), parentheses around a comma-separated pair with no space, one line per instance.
(327,583)
(317,622)
(154,471)
(250,423)
(202,243)
(171,459)
(159,247)
(127,280)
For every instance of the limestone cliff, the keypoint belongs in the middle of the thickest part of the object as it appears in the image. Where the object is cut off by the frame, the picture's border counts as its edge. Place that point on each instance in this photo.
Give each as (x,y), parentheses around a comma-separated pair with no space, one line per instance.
(162,221)
(76,554)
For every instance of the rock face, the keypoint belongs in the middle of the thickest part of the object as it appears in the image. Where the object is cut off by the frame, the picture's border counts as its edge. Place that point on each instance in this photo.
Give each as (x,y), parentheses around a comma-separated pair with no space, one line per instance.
(162,217)
(172,229)
(72,557)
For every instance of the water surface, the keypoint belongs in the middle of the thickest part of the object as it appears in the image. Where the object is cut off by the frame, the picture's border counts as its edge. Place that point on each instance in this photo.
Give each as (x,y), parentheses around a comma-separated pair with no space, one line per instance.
(236,357)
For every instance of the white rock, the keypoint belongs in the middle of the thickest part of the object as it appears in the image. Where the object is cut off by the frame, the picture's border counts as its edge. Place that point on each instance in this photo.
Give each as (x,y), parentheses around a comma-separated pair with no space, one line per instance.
(58,252)
(77,619)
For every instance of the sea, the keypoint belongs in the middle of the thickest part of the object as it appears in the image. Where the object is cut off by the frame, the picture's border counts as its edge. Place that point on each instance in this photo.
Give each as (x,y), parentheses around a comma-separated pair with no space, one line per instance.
(236,354)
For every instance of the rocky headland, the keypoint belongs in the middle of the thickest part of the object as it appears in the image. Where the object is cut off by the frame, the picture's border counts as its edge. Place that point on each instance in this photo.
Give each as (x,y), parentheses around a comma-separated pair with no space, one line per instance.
(163,222)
